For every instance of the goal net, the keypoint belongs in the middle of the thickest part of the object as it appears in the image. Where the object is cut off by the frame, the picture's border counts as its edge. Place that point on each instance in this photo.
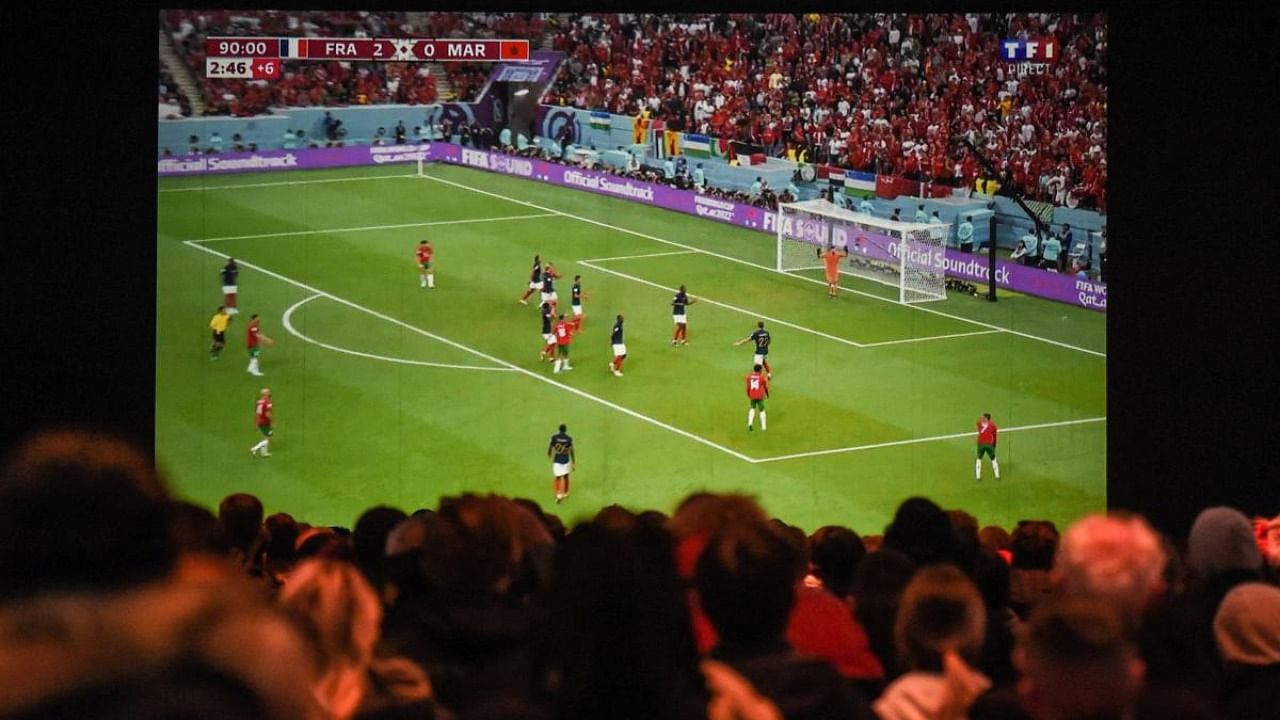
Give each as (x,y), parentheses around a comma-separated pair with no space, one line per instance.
(908,256)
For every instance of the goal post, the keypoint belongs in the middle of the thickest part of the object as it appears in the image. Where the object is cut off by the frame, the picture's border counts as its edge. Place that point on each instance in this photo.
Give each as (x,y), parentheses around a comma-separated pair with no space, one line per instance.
(908,256)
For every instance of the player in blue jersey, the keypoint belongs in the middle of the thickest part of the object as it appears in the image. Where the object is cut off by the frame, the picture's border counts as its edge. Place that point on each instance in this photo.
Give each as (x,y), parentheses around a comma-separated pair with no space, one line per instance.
(575,301)
(563,461)
(548,338)
(549,276)
(679,307)
(230,272)
(619,348)
(760,338)
(535,280)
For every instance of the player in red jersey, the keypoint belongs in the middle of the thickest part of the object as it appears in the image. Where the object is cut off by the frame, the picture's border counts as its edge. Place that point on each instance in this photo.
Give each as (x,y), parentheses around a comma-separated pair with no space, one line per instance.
(563,333)
(253,338)
(263,413)
(425,274)
(757,392)
(986,445)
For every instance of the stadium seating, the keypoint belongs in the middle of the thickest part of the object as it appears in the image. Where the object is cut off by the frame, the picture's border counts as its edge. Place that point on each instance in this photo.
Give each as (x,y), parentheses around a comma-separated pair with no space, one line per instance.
(882,93)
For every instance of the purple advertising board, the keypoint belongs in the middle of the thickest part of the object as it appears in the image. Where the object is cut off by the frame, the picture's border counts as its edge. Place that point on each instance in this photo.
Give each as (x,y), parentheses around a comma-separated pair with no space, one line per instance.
(973,268)
(304,159)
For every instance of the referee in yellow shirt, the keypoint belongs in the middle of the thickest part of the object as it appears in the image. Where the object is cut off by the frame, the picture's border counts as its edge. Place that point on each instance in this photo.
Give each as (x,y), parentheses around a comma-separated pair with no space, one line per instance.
(218,324)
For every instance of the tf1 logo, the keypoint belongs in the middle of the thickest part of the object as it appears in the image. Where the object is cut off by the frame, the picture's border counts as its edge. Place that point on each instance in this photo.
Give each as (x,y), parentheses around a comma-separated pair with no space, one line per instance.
(1043,50)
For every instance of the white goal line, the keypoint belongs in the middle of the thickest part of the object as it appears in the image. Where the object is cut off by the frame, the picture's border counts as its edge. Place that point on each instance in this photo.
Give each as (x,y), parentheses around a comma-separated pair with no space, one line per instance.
(368,228)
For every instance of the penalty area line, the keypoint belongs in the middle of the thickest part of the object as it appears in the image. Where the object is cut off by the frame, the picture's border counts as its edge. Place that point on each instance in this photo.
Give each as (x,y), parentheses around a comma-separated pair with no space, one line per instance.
(288,325)
(916,441)
(478,353)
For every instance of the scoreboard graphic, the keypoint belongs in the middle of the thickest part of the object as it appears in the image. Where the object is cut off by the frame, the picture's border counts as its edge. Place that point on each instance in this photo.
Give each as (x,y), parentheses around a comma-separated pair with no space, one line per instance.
(258,58)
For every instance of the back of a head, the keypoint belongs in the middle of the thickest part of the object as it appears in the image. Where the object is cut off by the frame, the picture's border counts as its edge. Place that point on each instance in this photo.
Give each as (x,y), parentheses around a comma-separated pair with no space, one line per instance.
(1034,544)
(1114,558)
(282,548)
(940,611)
(195,530)
(1247,626)
(620,632)
(1222,540)
(707,513)
(338,609)
(995,539)
(241,518)
(369,538)
(746,584)
(616,517)
(80,511)
(965,528)
(471,549)
(922,531)
(1077,662)
(836,553)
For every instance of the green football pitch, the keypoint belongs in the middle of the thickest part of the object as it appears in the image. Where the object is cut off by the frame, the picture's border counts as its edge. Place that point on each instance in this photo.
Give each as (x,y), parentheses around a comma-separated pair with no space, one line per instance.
(386,392)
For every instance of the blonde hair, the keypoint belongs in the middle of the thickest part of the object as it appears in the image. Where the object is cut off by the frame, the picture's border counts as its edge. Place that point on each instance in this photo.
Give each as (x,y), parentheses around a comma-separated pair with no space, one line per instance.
(341,614)
(940,611)
(1117,559)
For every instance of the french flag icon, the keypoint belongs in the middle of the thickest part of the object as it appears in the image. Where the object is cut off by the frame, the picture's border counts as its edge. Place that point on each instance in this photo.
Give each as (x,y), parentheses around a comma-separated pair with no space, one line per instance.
(293,47)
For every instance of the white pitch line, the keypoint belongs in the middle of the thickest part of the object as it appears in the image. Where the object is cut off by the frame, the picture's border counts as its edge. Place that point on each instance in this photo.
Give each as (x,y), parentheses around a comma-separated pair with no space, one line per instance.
(727,306)
(637,257)
(202,188)
(288,325)
(367,228)
(478,353)
(915,441)
(930,337)
(748,263)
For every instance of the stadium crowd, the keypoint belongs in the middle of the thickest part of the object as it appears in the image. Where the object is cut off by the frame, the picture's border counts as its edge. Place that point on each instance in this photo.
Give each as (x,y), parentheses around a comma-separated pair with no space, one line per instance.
(884,93)
(117,600)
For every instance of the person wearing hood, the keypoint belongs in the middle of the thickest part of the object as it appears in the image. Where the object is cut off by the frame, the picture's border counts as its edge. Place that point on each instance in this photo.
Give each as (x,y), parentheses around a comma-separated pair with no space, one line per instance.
(1246,631)
(1177,640)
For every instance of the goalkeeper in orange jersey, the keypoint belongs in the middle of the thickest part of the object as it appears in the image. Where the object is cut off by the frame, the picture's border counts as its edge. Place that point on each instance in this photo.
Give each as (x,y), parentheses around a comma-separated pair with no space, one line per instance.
(831,264)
